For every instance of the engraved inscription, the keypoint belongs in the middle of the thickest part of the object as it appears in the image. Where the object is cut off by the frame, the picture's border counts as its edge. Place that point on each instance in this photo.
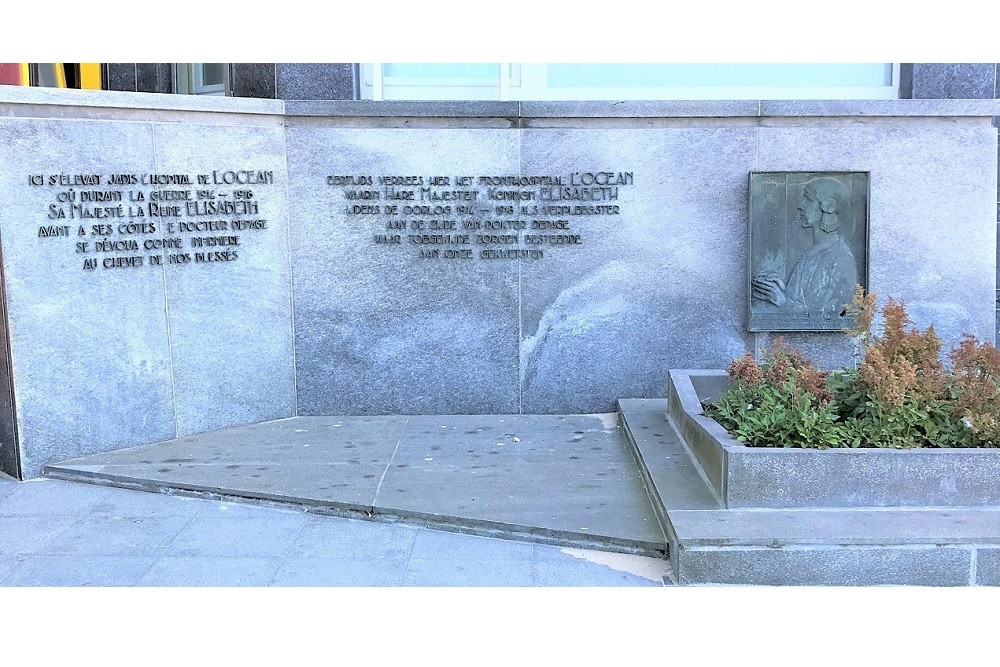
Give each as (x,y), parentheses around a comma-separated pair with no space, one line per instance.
(485,217)
(134,220)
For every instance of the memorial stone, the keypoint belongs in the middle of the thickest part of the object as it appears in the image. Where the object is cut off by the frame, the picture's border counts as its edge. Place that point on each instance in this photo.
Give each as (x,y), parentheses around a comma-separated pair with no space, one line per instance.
(173,266)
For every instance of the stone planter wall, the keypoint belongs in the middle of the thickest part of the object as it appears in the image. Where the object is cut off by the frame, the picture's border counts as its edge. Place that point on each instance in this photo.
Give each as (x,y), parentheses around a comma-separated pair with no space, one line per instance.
(747,477)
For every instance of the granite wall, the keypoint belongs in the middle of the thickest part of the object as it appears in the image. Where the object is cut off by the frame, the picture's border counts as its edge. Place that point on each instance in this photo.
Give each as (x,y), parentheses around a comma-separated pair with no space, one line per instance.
(428,258)
(138,309)
(658,283)
(954,81)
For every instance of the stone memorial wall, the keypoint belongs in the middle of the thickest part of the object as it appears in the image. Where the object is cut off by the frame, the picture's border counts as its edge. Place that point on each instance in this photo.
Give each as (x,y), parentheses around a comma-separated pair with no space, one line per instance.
(175,265)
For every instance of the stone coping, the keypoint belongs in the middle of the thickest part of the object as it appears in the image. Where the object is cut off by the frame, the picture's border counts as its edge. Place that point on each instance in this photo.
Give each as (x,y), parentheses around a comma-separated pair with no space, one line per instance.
(786,478)
(495,109)
(114,99)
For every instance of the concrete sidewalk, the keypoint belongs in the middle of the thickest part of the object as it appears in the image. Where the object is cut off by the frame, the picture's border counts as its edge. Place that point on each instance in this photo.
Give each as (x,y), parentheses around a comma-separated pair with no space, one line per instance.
(57,533)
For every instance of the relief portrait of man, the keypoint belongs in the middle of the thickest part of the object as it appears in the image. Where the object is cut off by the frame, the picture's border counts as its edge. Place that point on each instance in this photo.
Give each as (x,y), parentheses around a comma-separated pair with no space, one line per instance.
(823,277)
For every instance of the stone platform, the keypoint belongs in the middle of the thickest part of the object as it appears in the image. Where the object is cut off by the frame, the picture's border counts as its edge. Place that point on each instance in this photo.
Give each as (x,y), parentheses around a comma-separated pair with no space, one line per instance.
(623,482)
(557,479)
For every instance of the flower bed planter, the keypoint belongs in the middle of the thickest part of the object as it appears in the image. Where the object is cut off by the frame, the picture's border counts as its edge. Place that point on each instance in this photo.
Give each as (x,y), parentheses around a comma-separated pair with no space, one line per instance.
(778,477)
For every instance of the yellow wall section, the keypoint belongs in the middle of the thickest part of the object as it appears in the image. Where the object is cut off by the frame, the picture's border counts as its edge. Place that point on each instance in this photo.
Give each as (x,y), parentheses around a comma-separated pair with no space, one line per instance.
(90,76)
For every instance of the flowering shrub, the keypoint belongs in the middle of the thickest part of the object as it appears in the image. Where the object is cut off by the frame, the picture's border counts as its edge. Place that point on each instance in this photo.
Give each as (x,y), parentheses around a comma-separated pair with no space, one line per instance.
(901,395)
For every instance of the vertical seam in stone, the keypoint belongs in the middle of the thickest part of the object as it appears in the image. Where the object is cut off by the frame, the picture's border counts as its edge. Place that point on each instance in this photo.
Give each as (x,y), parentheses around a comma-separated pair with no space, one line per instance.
(166,313)
(973,574)
(291,273)
(399,441)
(520,307)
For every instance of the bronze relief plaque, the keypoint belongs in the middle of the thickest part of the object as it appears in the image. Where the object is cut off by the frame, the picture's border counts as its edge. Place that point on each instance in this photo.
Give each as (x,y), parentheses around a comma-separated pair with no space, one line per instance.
(808,248)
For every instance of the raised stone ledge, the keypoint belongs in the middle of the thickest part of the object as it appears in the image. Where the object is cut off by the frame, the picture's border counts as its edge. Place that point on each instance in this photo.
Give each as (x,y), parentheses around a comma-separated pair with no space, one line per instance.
(890,108)
(766,477)
(980,108)
(114,99)
(401,108)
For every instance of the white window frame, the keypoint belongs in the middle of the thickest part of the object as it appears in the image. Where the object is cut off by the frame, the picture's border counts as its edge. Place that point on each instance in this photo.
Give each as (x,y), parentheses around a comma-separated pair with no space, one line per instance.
(527,81)
(189,79)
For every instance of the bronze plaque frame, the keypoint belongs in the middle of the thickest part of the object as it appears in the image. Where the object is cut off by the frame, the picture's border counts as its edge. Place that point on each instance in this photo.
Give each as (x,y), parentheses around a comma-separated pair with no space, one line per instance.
(808,235)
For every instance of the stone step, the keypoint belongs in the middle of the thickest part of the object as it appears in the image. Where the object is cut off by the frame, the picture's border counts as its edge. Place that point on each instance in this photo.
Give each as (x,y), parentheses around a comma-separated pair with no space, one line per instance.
(870,547)
(709,544)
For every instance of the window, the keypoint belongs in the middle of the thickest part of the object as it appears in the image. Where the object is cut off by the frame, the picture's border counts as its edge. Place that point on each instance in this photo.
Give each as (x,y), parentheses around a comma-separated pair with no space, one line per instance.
(606,81)
(201,78)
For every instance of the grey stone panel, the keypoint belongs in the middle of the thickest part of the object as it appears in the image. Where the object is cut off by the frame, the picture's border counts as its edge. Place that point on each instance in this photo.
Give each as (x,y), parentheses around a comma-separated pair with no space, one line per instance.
(89,350)
(905,81)
(932,212)
(761,477)
(845,527)
(660,285)
(954,80)
(392,108)
(230,322)
(154,78)
(987,567)
(316,81)
(379,330)
(829,350)
(254,80)
(827,567)
(120,76)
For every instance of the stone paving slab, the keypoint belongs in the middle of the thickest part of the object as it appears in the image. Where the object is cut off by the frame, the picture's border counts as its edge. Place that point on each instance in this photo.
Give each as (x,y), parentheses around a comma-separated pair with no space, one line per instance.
(988,567)
(210,571)
(26,535)
(491,469)
(35,498)
(475,474)
(78,571)
(243,544)
(341,572)
(114,535)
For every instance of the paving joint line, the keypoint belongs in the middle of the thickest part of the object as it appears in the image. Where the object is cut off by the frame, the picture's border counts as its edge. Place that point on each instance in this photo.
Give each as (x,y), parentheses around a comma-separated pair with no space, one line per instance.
(167,546)
(392,457)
